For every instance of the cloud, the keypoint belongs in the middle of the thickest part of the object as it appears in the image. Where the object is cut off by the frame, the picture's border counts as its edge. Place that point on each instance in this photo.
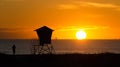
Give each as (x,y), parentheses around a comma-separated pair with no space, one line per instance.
(68,28)
(68,6)
(95,27)
(13,30)
(10,33)
(76,28)
(78,4)
(12,0)
(7,29)
(102,5)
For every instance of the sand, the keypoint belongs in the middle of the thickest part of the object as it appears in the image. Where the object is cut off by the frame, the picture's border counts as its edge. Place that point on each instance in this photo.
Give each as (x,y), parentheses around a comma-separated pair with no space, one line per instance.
(61,60)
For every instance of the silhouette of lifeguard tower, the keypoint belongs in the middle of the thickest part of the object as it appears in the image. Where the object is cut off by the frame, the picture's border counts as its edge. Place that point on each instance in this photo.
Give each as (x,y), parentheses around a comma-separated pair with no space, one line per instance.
(44,46)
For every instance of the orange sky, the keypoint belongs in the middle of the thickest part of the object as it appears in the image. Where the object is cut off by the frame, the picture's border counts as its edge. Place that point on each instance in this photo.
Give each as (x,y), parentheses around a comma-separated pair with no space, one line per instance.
(98,18)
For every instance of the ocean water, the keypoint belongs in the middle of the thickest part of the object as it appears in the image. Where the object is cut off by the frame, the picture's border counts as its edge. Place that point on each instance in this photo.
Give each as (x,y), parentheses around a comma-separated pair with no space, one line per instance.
(23,46)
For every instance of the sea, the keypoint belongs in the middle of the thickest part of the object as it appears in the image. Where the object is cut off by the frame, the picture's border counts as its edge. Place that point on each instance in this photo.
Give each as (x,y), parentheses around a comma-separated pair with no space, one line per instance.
(23,46)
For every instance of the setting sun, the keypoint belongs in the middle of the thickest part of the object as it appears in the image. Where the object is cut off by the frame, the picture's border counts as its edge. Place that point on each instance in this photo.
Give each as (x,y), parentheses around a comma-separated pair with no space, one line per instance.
(81,35)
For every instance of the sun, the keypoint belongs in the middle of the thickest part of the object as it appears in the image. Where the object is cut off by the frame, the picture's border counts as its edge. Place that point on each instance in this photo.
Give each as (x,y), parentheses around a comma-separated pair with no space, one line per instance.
(81,35)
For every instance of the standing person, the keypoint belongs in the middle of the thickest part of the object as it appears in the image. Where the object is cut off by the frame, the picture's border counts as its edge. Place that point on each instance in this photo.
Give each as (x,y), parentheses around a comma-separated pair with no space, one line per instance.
(13,49)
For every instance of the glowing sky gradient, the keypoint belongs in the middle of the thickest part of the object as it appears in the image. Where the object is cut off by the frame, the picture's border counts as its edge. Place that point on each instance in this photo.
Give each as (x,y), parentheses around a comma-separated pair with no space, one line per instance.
(99,18)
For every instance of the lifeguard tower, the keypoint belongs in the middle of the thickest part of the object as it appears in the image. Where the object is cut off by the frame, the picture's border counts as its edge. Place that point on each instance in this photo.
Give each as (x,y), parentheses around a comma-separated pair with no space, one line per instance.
(44,45)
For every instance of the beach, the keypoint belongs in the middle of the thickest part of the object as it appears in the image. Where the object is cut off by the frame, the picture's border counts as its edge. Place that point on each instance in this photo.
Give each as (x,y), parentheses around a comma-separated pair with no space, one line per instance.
(96,53)
(61,60)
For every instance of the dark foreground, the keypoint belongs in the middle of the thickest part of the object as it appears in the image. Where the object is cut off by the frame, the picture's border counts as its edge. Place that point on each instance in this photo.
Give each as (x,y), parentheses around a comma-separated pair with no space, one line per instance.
(62,60)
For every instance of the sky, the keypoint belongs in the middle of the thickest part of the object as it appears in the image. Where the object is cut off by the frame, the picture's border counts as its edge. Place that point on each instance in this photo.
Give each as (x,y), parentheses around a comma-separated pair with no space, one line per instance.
(100,19)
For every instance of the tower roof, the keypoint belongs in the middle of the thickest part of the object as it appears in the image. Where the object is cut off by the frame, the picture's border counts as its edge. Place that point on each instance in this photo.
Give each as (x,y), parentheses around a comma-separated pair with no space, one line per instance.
(44,28)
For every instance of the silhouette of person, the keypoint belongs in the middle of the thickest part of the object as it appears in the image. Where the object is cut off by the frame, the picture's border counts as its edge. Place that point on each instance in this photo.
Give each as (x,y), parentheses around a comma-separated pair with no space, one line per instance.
(13,49)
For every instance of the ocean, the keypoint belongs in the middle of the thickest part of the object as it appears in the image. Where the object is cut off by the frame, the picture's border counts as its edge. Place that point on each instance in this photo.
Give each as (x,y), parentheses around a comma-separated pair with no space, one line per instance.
(23,46)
